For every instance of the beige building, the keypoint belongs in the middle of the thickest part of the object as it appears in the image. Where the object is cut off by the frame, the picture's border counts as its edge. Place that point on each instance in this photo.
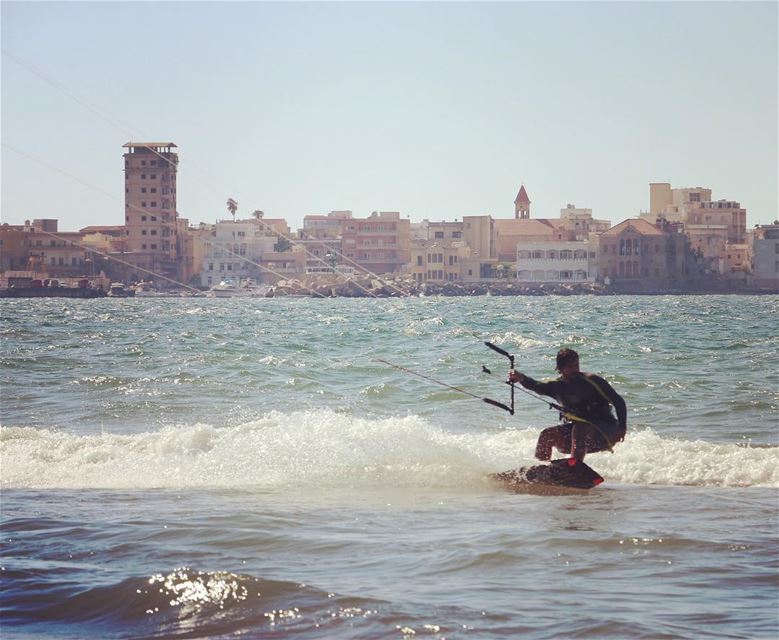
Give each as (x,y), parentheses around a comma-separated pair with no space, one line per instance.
(379,244)
(282,265)
(579,223)
(14,254)
(673,204)
(635,250)
(150,206)
(765,257)
(438,260)
(324,226)
(715,229)
(480,236)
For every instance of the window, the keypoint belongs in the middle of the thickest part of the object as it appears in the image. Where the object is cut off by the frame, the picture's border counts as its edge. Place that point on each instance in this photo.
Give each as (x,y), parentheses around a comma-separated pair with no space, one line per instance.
(154,190)
(153,246)
(143,176)
(153,205)
(439,235)
(143,162)
(457,234)
(154,232)
(153,163)
(153,176)
(143,189)
(143,232)
(419,260)
(143,218)
(143,204)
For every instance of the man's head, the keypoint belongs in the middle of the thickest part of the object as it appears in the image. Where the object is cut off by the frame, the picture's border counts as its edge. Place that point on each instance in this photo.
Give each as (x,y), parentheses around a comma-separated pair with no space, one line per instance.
(567,361)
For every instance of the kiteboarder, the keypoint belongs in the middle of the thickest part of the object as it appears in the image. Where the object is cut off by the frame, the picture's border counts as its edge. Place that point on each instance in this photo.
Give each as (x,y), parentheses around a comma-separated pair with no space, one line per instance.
(589,424)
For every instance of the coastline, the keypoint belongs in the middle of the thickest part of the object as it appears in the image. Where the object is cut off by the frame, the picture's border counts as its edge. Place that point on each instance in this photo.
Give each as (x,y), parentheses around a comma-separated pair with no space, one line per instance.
(400,287)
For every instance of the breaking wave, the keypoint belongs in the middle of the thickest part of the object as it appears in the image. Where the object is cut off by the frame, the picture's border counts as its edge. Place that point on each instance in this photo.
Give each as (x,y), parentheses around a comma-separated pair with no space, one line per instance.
(330,449)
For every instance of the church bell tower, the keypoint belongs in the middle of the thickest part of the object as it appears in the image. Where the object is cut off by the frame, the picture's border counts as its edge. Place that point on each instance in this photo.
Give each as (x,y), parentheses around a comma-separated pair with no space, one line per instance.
(522,205)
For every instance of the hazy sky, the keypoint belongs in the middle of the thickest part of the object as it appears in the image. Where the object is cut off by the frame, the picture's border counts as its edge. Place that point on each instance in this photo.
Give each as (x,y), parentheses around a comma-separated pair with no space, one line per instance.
(437,110)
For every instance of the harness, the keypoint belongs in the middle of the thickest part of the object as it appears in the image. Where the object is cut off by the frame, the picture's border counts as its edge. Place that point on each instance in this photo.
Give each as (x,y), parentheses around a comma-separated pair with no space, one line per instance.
(564,413)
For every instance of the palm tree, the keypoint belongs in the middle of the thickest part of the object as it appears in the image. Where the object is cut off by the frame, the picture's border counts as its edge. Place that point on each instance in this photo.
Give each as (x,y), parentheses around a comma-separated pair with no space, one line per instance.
(258,214)
(232,207)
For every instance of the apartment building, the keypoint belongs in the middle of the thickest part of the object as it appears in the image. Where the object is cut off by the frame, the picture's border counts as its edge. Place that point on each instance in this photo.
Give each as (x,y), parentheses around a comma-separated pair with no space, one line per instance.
(480,236)
(712,227)
(14,254)
(765,257)
(235,249)
(578,224)
(324,226)
(150,206)
(438,252)
(379,243)
(321,238)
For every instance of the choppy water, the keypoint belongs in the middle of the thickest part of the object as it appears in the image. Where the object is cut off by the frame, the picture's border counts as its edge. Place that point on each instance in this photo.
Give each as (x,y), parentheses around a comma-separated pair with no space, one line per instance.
(205,468)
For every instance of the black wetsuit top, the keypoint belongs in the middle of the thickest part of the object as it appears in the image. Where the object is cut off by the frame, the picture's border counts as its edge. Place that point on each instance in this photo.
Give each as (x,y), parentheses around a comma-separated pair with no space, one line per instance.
(582,397)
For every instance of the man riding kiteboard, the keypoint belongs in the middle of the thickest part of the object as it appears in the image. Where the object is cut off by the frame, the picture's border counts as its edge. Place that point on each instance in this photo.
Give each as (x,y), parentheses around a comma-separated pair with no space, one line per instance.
(589,424)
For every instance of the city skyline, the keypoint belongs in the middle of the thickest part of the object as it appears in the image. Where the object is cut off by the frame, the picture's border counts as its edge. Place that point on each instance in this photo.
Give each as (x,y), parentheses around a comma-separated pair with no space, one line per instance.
(433,110)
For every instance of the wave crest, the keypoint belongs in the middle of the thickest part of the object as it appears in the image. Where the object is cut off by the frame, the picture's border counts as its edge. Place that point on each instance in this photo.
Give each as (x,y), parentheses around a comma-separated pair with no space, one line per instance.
(321,449)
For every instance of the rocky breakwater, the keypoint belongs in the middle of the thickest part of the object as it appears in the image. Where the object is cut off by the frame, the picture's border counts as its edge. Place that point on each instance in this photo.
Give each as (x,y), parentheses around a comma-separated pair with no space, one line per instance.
(397,286)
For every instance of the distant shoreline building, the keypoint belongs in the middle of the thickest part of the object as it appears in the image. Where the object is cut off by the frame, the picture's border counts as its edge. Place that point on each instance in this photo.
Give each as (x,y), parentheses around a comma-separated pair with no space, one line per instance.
(150,212)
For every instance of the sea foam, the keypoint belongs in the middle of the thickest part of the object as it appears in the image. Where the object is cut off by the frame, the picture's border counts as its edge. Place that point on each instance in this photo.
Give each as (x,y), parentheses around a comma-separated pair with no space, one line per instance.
(331,449)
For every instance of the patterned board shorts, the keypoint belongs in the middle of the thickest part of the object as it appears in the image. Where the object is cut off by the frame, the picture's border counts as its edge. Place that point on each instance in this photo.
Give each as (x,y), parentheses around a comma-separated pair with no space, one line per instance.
(596,442)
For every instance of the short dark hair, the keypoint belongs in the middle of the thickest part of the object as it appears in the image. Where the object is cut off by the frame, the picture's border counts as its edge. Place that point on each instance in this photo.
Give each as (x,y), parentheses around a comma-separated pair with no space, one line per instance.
(565,357)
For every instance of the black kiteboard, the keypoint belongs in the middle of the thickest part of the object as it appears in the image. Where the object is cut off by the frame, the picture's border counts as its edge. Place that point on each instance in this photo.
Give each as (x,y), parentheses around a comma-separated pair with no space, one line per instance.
(557,474)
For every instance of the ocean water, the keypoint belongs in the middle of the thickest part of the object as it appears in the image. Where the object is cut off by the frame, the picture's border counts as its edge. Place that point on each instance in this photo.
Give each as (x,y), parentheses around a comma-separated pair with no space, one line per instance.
(192,468)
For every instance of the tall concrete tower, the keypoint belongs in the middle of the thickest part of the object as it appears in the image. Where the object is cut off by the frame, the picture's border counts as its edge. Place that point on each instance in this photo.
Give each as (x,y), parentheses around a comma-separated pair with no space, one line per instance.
(522,205)
(150,205)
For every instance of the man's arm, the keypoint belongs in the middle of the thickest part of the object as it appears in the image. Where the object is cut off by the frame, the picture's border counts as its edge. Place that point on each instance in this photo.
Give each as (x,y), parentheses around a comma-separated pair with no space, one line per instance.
(543,388)
(615,399)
